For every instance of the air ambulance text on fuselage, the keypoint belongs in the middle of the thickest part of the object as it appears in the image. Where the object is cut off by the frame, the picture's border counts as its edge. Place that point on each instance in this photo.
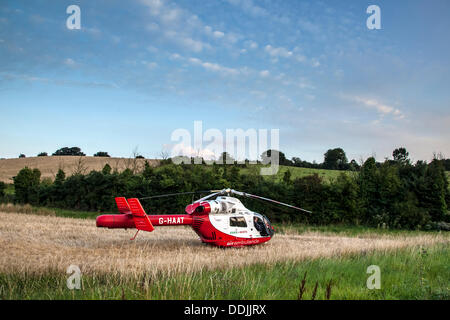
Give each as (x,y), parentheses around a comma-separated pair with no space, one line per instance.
(174,220)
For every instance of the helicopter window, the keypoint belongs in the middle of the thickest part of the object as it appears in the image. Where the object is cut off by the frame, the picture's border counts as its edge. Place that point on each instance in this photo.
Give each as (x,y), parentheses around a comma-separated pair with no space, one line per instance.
(260,226)
(238,222)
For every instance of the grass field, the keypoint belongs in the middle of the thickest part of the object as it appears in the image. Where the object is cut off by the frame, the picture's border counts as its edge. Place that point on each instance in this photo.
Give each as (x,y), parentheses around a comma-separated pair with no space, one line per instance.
(171,263)
(411,273)
(49,165)
(297,172)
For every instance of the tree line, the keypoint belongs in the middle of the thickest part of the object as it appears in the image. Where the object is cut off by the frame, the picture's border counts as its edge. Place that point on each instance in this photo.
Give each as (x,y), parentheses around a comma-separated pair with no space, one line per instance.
(392,194)
(334,159)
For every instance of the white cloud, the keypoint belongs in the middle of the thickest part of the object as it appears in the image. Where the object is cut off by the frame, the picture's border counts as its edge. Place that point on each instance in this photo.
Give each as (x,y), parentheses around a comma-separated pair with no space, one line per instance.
(278,52)
(214,67)
(381,108)
(150,65)
(264,73)
(188,151)
(315,63)
(218,34)
(213,33)
(249,7)
(250,44)
(179,25)
(69,62)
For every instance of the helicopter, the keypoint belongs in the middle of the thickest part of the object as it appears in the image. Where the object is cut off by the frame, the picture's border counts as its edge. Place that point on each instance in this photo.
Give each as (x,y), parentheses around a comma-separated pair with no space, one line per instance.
(222,222)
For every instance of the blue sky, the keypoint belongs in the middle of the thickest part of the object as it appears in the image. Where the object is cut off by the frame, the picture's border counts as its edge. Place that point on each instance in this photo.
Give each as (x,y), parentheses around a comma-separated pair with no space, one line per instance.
(137,70)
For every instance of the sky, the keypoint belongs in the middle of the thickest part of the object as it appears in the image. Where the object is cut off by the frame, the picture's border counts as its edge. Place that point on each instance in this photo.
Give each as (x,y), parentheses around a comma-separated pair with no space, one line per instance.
(138,70)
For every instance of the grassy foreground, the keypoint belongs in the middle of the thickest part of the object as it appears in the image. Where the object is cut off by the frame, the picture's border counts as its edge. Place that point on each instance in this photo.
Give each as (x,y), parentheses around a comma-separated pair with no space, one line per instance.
(413,273)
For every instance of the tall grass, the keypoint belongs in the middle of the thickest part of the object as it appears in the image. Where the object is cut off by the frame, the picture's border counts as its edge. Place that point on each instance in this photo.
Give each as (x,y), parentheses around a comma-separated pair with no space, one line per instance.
(411,273)
(26,209)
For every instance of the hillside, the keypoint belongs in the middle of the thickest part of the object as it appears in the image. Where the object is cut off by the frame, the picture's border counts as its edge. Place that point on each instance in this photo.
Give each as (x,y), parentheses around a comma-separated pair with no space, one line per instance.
(49,165)
(297,172)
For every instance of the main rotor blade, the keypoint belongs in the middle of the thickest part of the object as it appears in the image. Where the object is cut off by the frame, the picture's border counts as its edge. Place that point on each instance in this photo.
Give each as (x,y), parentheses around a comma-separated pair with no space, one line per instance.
(267,199)
(211,195)
(175,194)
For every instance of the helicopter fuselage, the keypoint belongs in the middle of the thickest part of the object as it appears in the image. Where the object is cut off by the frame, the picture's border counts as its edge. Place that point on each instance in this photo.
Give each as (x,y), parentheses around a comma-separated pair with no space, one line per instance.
(223,222)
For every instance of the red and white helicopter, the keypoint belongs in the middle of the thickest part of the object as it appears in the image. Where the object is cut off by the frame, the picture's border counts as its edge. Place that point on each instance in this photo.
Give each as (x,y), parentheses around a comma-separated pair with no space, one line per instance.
(223,222)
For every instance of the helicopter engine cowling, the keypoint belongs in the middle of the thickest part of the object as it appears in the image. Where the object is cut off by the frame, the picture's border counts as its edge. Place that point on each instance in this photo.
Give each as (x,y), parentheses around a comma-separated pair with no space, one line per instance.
(207,207)
(203,208)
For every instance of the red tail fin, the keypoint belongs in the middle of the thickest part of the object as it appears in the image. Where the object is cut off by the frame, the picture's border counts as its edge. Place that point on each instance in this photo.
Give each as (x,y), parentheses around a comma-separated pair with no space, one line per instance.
(122,205)
(141,220)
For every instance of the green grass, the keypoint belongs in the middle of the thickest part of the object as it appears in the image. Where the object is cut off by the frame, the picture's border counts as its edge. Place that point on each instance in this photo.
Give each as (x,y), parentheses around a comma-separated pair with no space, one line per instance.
(76,214)
(414,273)
(46,211)
(346,230)
(296,172)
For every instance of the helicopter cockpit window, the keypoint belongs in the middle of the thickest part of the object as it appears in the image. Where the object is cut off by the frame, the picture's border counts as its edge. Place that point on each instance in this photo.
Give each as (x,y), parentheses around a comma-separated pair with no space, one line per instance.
(259,225)
(238,222)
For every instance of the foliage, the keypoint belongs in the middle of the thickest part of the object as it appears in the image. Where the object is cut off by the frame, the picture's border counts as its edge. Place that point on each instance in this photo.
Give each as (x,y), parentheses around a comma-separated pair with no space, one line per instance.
(335,159)
(66,151)
(401,155)
(2,189)
(43,154)
(102,154)
(27,185)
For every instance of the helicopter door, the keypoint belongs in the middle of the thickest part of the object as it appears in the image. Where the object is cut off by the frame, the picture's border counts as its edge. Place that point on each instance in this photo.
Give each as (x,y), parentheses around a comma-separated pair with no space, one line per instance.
(260,226)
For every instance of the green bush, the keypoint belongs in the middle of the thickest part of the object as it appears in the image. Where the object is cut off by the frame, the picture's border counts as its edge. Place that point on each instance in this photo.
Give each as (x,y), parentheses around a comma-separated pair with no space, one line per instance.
(2,189)
(27,185)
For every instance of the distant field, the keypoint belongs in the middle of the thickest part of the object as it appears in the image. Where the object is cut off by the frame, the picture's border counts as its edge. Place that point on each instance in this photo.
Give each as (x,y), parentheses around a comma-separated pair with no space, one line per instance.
(49,165)
(297,172)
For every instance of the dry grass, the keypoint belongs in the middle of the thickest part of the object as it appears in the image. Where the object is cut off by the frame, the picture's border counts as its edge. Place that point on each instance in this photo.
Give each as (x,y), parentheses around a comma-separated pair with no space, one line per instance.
(27,209)
(49,165)
(36,244)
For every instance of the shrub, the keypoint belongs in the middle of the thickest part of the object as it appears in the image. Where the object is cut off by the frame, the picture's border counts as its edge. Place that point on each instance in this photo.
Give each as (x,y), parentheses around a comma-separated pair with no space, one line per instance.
(74,151)
(102,154)
(26,185)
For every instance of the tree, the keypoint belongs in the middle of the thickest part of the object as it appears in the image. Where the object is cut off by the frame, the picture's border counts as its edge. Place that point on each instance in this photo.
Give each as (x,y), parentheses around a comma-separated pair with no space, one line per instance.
(43,154)
(400,155)
(60,177)
(335,159)
(354,166)
(102,154)
(74,151)
(148,171)
(106,169)
(22,155)
(26,185)
(2,189)
(267,155)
